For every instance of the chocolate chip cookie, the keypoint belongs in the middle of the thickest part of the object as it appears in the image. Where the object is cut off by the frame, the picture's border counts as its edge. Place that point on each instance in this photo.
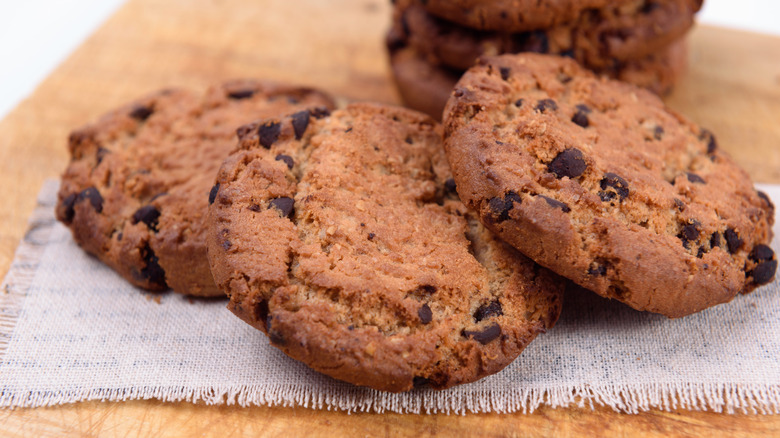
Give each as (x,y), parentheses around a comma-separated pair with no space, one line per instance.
(426,87)
(528,15)
(598,38)
(600,182)
(134,193)
(340,236)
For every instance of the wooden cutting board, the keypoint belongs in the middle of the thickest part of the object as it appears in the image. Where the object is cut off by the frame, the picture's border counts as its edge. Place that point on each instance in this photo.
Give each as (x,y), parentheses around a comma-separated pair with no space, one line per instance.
(733,88)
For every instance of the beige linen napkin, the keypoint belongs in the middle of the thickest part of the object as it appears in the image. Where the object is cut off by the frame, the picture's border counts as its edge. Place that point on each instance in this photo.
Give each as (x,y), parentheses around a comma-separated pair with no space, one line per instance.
(72,330)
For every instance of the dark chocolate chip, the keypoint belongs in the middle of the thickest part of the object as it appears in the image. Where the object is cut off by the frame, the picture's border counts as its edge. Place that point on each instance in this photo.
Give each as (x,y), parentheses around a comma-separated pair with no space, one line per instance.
(261,311)
(425,314)
(616,183)
(285,205)
(409,140)
(598,270)
(488,310)
(692,177)
(546,104)
(274,336)
(450,186)
(501,207)
(149,215)
(504,72)
(485,335)
(679,204)
(226,244)
(569,163)
(94,197)
(581,118)
(701,252)
(428,289)
(241,94)
(152,272)
(715,240)
(761,253)
(68,203)
(371,236)
(319,112)
(689,232)
(733,240)
(766,199)
(268,133)
(420,382)
(213,193)
(555,203)
(709,137)
(763,272)
(519,103)
(141,113)
(254,207)
(287,160)
(300,121)
(658,132)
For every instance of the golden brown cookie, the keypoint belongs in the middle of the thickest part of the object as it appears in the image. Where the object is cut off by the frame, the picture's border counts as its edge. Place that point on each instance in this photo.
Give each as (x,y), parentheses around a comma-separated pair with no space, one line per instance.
(355,257)
(600,182)
(135,191)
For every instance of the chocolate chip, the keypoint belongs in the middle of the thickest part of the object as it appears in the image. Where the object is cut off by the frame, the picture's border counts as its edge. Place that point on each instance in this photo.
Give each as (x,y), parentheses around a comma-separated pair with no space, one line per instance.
(226,244)
(485,335)
(409,140)
(152,272)
(709,137)
(504,72)
(300,121)
(555,203)
(692,177)
(274,336)
(149,215)
(616,183)
(488,310)
(763,273)
(319,112)
(141,113)
(679,204)
(420,382)
(546,104)
(597,270)
(428,289)
(450,186)
(568,163)
(261,311)
(581,118)
(371,236)
(501,207)
(732,240)
(649,7)
(715,240)
(287,160)
(658,132)
(241,94)
(519,103)
(761,253)
(254,207)
(213,193)
(701,252)
(94,197)
(69,211)
(766,199)
(425,314)
(689,232)
(285,205)
(268,133)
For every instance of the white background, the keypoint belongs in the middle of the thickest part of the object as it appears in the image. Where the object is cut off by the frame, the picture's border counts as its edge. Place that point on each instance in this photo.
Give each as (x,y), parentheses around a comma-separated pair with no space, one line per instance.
(36,35)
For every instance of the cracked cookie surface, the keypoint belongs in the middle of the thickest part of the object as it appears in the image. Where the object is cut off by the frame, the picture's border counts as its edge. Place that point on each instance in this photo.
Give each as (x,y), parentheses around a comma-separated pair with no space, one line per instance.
(341,237)
(134,193)
(603,184)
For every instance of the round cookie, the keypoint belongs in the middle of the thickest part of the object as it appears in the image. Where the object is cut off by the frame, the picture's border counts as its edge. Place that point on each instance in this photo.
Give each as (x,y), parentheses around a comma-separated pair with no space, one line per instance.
(599,38)
(425,87)
(359,260)
(600,182)
(134,193)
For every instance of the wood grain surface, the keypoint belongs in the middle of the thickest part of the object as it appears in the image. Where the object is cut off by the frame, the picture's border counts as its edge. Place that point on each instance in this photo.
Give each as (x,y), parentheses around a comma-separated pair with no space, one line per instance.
(733,88)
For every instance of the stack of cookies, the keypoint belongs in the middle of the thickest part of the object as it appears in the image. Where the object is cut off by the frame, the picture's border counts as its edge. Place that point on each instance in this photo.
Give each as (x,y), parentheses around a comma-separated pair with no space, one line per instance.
(432,42)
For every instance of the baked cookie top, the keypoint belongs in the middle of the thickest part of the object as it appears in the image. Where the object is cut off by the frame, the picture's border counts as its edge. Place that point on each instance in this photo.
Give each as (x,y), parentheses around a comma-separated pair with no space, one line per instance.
(339,236)
(603,184)
(134,193)
(597,38)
